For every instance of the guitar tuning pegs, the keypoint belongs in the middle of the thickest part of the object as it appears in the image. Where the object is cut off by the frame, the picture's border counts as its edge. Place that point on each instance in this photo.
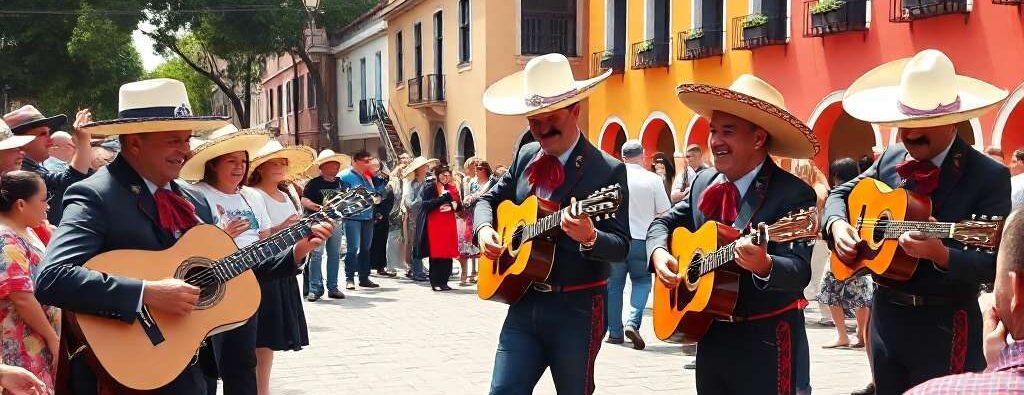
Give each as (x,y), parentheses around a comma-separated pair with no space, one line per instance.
(974,216)
(997,218)
(984,218)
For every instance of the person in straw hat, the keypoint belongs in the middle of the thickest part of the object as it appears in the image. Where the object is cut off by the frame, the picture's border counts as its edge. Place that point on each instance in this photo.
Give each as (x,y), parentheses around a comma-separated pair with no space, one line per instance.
(415,174)
(137,203)
(28,121)
(281,322)
(560,323)
(318,189)
(11,155)
(934,316)
(765,343)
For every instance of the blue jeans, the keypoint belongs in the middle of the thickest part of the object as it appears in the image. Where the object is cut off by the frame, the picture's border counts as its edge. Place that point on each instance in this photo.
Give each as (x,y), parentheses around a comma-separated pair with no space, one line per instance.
(333,249)
(359,235)
(636,266)
(562,331)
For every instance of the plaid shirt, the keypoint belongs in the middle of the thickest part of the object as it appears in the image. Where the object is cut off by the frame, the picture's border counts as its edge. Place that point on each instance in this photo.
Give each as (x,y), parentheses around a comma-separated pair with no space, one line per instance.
(1006,377)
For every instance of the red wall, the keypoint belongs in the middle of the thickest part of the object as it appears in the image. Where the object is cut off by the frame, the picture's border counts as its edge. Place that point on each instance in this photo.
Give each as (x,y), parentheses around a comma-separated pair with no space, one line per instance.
(989,46)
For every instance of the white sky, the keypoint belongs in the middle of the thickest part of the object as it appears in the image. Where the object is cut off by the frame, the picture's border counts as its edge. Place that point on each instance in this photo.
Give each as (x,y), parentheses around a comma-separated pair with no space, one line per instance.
(144,45)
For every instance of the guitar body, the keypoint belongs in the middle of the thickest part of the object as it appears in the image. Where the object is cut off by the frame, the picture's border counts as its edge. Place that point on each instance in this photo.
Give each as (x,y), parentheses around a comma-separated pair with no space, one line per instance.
(685,313)
(508,278)
(873,200)
(126,352)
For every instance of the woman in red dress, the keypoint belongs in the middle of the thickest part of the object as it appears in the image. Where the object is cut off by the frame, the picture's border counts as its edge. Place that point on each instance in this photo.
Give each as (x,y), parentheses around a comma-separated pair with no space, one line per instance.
(441,239)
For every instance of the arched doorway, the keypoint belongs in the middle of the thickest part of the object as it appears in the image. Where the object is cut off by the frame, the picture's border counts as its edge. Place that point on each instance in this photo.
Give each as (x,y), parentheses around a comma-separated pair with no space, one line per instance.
(440,150)
(414,144)
(1008,132)
(841,135)
(658,135)
(467,146)
(612,139)
(697,133)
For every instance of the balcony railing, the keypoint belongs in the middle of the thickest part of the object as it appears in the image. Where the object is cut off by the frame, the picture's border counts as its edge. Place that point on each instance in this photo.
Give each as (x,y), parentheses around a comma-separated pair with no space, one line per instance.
(850,16)
(700,43)
(912,10)
(758,30)
(367,111)
(650,53)
(612,59)
(427,89)
(1008,2)
(544,33)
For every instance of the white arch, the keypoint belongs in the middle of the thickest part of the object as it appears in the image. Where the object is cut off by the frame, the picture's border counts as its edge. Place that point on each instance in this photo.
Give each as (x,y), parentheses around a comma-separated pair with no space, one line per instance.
(828,101)
(1003,115)
(979,137)
(689,128)
(460,137)
(668,121)
(607,122)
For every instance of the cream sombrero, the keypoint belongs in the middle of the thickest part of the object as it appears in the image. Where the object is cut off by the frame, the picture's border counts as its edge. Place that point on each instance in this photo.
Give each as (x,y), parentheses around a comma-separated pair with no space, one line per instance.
(418,163)
(546,84)
(9,141)
(328,155)
(921,91)
(299,157)
(225,140)
(753,99)
(156,105)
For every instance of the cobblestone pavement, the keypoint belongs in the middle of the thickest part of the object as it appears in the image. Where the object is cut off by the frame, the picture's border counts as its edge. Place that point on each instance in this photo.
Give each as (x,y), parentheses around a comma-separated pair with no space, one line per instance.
(405,339)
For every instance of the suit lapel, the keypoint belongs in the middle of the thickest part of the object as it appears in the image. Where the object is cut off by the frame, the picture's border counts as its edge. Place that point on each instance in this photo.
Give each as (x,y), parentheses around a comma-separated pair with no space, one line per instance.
(573,170)
(131,181)
(755,195)
(522,183)
(952,170)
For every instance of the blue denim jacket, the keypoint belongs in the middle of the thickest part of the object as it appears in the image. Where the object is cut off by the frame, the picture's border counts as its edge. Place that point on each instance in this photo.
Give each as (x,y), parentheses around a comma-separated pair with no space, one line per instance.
(350,179)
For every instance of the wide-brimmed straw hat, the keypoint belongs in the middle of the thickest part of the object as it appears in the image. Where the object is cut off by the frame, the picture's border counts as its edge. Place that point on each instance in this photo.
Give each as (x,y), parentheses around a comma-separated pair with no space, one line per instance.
(299,157)
(754,100)
(417,163)
(223,141)
(918,92)
(10,141)
(29,117)
(545,85)
(156,105)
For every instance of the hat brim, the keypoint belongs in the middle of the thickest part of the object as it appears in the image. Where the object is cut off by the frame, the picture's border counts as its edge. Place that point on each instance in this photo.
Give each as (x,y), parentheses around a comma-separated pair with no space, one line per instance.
(411,170)
(15,142)
(300,158)
(790,137)
(506,97)
(874,98)
(248,140)
(54,123)
(314,170)
(152,125)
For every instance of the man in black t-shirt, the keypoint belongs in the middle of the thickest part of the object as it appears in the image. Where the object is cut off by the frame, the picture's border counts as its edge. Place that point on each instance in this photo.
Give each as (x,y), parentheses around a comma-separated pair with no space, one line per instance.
(315,192)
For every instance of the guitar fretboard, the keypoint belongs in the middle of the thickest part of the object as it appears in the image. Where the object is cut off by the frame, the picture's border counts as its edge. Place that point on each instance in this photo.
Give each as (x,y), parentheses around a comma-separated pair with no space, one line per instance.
(894,229)
(542,225)
(244,259)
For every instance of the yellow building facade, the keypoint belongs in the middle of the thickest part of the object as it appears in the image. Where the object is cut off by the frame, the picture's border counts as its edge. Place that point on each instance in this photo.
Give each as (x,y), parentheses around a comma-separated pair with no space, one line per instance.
(653,46)
(443,54)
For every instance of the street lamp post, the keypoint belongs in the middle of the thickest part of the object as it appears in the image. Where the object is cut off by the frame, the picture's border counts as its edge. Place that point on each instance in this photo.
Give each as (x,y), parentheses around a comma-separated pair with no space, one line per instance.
(312,6)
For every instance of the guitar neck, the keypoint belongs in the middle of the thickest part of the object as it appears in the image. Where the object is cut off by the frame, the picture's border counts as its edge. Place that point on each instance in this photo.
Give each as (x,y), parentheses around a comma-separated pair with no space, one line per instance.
(937,230)
(244,259)
(543,225)
(727,253)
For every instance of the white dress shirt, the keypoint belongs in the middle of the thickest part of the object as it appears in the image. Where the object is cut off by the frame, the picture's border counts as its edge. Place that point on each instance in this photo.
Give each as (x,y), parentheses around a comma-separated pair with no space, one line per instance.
(647,199)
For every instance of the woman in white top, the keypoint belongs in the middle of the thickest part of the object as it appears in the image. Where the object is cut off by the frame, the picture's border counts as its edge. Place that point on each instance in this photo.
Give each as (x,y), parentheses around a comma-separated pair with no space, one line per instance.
(281,322)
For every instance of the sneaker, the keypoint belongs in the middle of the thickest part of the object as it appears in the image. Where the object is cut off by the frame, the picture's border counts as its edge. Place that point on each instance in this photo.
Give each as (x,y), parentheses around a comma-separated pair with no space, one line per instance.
(420,279)
(614,340)
(312,297)
(350,285)
(368,284)
(634,336)
(335,294)
(387,273)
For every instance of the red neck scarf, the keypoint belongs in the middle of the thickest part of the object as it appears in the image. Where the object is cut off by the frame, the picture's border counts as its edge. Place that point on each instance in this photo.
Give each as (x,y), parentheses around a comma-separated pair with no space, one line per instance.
(545,172)
(923,176)
(718,202)
(176,213)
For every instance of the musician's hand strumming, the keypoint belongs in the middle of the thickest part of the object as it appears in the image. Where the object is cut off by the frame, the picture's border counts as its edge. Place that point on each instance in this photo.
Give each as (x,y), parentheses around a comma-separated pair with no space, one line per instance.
(666,267)
(171,295)
(490,242)
(920,246)
(320,233)
(846,240)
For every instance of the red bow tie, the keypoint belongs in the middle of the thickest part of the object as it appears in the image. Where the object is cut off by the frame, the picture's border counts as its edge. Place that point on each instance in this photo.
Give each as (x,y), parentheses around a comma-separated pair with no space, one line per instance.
(718,203)
(923,176)
(176,213)
(545,172)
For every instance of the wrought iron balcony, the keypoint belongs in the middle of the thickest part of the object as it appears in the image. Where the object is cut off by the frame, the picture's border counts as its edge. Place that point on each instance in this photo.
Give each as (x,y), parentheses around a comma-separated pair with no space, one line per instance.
(850,16)
(1008,2)
(912,10)
(613,59)
(701,42)
(368,111)
(759,30)
(426,90)
(650,53)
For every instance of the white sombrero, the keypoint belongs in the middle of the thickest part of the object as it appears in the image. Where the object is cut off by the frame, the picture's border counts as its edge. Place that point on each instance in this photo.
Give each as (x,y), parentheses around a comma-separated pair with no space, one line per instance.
(9,141)
(156,105)
(299,157)
(917,92)
(223,141)
(754,100)
(417,163)
(328,155)
(546,84)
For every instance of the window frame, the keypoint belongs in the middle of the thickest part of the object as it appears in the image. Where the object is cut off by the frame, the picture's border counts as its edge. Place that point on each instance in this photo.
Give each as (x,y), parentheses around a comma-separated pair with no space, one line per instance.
(465,32)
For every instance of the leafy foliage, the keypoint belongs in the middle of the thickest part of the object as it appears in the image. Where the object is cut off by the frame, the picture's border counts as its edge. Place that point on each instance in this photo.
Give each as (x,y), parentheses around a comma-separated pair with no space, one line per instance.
(824,6)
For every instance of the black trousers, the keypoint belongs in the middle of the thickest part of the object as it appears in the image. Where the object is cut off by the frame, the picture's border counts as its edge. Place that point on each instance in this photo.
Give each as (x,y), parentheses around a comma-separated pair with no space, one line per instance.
(379,246)
(440,270)
(770,356)
(234,352)
(911,345)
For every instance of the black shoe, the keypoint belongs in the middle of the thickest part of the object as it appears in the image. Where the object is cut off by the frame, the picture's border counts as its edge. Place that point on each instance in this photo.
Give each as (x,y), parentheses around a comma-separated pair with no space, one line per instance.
(350,285)
(387,273)
(634,336)
(614,340)
(691,366)
(368,284)
(869,390)
(408,274)
(312,297)
(335,294)
(446,288)
(420,279)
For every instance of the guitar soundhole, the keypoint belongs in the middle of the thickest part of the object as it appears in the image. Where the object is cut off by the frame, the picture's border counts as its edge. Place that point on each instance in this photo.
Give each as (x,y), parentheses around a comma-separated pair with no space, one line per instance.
(517,240)
(878,230)
(196,271)
(693,270)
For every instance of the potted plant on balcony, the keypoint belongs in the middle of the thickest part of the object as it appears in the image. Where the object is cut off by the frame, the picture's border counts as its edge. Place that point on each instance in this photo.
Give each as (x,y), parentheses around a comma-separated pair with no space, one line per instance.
(826,15)
(606,59)
(755,28)
(693,40)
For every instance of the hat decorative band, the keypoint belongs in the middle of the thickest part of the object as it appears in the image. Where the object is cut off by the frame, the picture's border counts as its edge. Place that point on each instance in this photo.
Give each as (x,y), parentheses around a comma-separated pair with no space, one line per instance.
(538,100)
(181,111)
(941,109)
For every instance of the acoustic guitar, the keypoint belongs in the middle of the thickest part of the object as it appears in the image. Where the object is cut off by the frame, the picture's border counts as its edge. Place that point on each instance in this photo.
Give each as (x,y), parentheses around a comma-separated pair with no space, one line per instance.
(154,349)
(527,233)
(883,214)
(710,278)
